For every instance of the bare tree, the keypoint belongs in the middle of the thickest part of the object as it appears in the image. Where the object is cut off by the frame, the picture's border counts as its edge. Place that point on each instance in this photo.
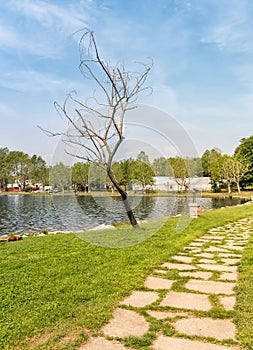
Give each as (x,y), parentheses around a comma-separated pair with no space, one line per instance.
(96,126)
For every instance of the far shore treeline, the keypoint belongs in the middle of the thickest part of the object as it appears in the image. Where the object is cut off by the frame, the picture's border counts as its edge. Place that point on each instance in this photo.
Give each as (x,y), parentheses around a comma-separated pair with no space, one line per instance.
(31,173)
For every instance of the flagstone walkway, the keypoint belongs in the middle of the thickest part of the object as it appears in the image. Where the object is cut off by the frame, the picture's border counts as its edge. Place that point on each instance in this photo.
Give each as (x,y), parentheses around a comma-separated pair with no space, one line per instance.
(182,300)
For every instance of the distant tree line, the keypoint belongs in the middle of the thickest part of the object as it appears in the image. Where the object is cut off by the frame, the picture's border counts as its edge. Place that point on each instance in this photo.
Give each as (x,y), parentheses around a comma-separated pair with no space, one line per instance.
(223,170)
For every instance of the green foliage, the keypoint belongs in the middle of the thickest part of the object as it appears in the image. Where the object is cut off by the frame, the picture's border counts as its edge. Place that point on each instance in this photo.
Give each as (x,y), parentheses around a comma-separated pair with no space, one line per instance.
(80,176)
(60,176)
(17,166)
(3,167)
(162,167)
(180,173)
(212,162)
(245,152)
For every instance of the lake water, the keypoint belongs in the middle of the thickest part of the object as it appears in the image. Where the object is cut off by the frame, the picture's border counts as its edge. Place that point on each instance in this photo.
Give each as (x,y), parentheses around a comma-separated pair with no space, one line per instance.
(31,213)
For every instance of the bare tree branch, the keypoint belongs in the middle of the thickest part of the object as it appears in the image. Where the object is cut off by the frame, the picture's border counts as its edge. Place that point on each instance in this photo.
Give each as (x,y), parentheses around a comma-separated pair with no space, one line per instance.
(97,129)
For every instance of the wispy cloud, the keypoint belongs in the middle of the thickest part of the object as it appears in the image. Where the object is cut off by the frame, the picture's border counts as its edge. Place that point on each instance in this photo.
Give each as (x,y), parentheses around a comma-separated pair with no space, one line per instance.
(32,81)
(11,39)
(230,28)
(44,25)
(65,17)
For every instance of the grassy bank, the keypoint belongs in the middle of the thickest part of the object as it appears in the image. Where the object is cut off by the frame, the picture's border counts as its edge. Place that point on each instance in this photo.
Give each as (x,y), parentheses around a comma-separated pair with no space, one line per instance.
(56,289)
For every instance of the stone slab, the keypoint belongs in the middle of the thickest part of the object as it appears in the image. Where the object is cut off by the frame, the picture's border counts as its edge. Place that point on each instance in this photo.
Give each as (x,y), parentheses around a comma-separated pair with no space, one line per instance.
(198,274)
(197,250)
(102,344)
(230,261)
(206,255)
(189,301)
(196,244)
(126,323)
(161,315)
(184,259)
(162,272)
(234,247)
(217,237)
(215,249)
(217,267)
(207,261)
(180,267)
(140,299)
(230,276)
(158,283)
(210,287)
(207,327)
(169,343)
(227,302)
(229,255)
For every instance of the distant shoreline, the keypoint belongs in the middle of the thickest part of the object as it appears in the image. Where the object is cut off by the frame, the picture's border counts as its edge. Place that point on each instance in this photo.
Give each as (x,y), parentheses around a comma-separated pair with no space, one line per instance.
(234,195)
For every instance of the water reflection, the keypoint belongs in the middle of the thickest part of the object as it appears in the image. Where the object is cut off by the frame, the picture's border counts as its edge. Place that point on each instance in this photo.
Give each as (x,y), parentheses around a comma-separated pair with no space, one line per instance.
(69,213)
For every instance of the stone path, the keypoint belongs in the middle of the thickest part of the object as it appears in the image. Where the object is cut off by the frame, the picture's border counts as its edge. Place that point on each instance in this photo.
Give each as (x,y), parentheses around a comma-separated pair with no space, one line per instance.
(182,307)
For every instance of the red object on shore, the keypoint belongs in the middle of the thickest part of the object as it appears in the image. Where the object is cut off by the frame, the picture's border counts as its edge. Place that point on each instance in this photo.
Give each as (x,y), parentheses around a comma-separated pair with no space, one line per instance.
(14,238)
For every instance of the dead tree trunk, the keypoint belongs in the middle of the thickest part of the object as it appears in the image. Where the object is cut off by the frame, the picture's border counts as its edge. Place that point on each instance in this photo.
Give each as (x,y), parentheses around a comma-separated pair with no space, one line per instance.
(123,195)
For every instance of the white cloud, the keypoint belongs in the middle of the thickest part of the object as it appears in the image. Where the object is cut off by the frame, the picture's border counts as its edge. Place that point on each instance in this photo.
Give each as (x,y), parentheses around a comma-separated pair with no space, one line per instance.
(63,17)
(32,81)
(11,39)
(230,28)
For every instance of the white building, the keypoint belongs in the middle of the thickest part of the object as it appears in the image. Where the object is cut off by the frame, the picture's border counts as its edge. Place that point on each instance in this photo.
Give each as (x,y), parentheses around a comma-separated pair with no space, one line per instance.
(165,183)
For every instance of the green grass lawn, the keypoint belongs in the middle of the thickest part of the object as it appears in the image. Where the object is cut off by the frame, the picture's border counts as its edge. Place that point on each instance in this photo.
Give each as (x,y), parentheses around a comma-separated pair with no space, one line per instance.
(56,289)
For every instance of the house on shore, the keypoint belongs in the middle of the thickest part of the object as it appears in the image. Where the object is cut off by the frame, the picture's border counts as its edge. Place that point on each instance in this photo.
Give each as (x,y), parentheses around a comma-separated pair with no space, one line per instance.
(168,184)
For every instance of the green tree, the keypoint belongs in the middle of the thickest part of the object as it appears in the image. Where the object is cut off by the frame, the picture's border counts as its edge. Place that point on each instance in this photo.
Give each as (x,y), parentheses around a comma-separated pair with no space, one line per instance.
(39,171)
(123,171)
(60,176)
(211,163)
(80,176)
(194,166)
(4,170)
(232,171)
(244,152)
(143,157)
(19,167)
(180,173)
(143,173)
(162,167)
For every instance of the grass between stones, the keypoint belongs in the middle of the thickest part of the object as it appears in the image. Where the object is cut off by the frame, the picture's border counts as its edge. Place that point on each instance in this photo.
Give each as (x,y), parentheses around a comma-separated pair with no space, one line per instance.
(57,290)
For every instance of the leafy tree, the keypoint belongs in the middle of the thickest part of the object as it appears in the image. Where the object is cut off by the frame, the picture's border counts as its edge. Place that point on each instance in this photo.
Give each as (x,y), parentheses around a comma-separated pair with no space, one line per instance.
(211,162)
(4,173)
(143,157)
(143,173)
(244,152)
(19,167)
(39,171)
(160,166)
(232,171)
(240,169)
(227,171)
(123,171)
(180,173)
(80,176)
(60,176)
(194,166)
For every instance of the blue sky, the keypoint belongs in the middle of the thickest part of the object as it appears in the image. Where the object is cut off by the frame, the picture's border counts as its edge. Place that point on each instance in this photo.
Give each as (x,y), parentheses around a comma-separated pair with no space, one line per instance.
(202,53)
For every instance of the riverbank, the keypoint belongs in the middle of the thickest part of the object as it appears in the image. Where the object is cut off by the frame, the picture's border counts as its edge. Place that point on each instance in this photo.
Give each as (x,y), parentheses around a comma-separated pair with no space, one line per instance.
(58,290)
(244,194)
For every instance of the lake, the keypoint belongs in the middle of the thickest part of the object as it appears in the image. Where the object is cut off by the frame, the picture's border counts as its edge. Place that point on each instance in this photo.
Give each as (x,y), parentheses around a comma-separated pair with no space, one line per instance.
(31,213)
